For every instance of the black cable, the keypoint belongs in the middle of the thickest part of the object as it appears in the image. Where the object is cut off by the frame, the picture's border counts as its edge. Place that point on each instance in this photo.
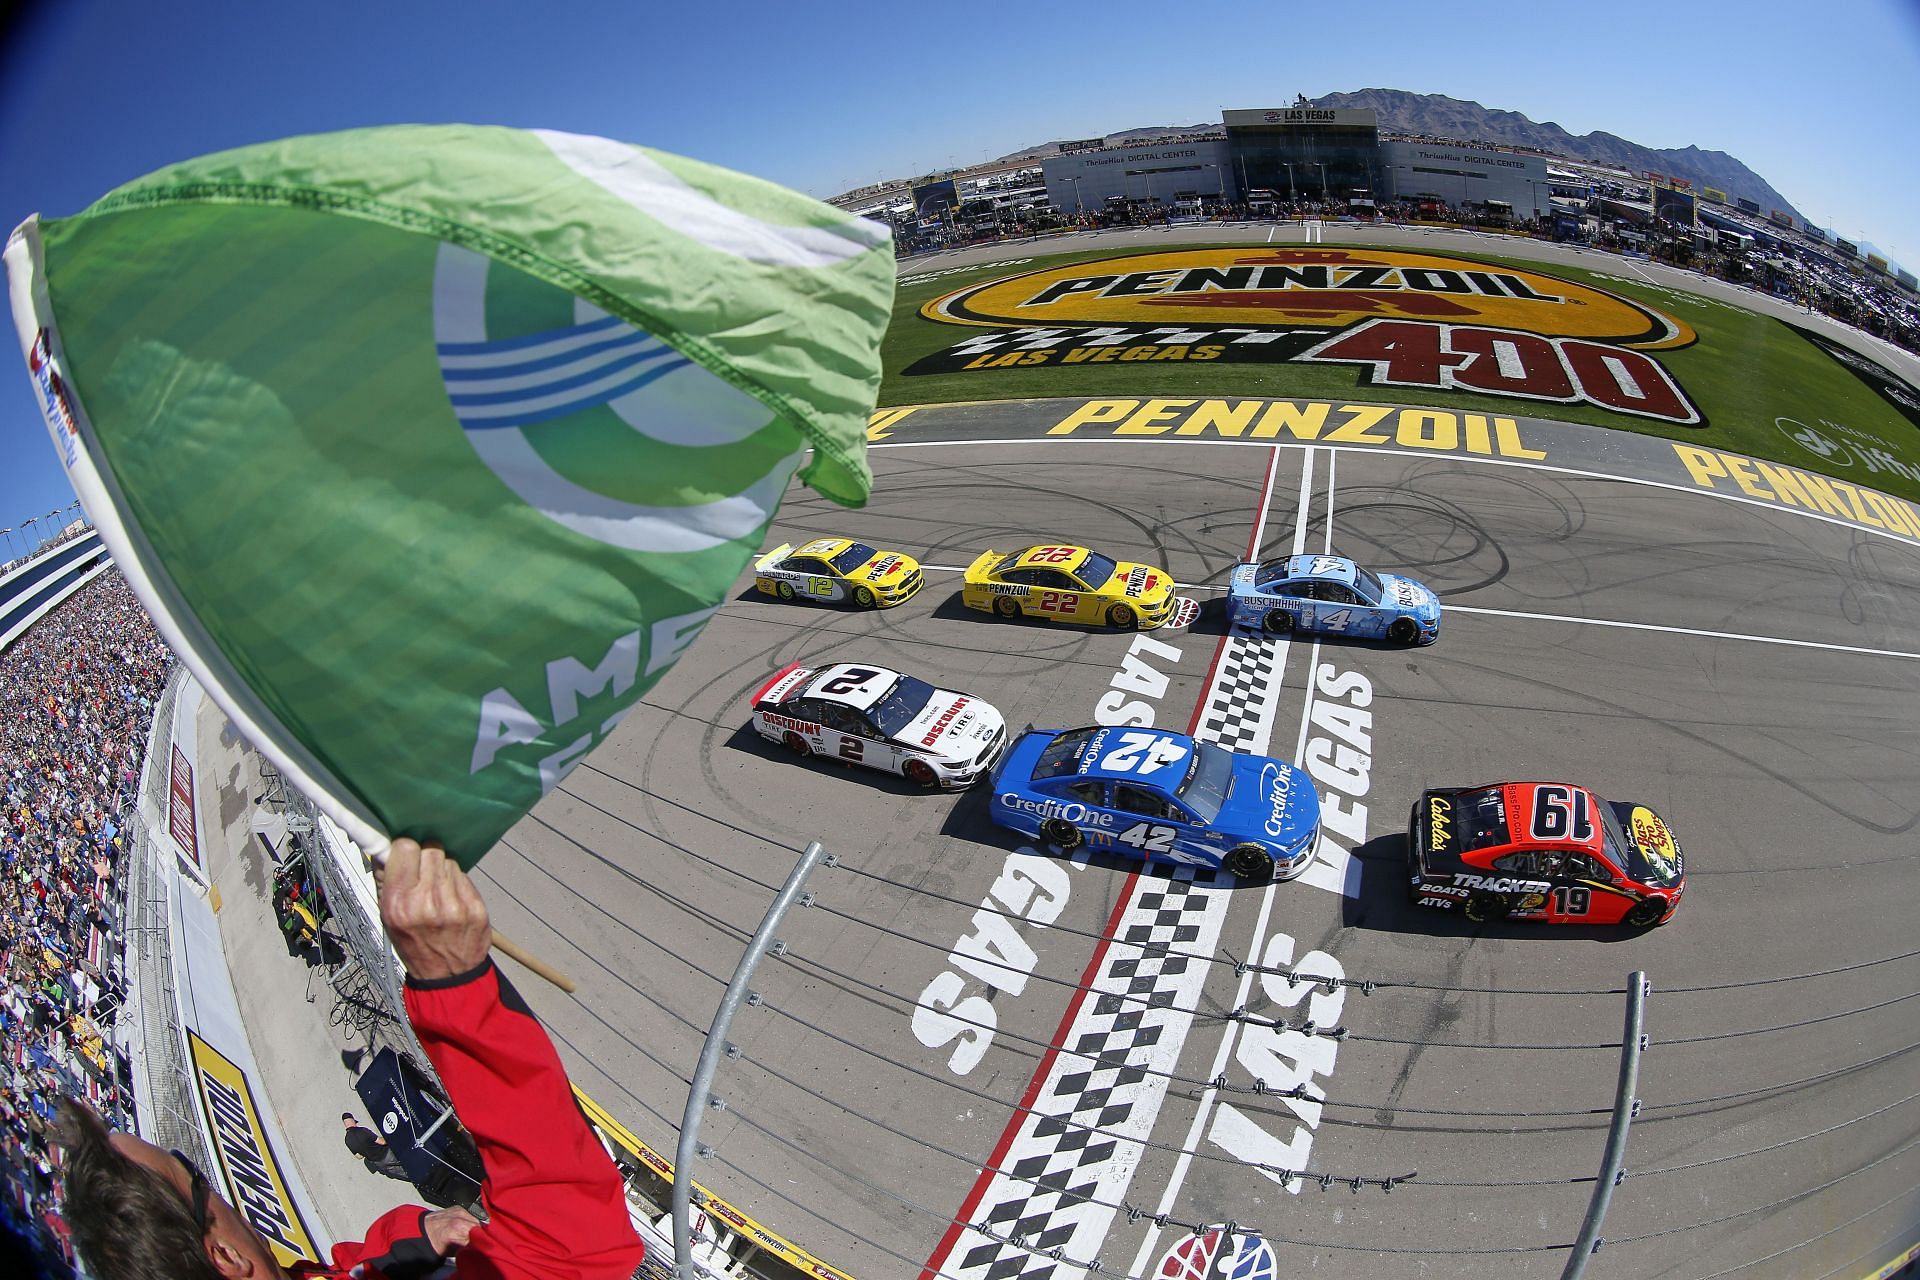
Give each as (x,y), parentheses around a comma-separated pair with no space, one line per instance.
(1797,977)
(1787,1026)
(1765,1208)
(1742,1155)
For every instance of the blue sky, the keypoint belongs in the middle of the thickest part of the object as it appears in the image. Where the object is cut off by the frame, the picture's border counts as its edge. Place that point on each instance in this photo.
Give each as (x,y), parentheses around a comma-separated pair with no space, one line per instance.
(1821,100)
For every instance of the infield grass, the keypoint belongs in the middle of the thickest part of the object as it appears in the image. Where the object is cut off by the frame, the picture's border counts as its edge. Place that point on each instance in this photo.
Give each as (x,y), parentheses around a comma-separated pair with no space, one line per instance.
(1746,371)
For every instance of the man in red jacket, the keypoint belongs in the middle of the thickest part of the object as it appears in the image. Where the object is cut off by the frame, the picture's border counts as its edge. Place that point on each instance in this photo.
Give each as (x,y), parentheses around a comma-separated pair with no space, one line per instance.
(556,1209)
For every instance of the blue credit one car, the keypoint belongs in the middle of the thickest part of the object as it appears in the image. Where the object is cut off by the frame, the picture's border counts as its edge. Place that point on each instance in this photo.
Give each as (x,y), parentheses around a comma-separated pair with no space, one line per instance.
(1161,796)
(1331,595)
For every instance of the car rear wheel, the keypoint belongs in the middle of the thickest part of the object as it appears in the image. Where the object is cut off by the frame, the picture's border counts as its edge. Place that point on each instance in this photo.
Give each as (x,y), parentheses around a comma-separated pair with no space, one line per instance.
(863,597)
(919,771)
(1061,834)
(1278,621)
(797,743)
(1250,862)
(1486,908)
(1404,631)
(1006,606)
(1645,913)
(784,590)
(1122,618)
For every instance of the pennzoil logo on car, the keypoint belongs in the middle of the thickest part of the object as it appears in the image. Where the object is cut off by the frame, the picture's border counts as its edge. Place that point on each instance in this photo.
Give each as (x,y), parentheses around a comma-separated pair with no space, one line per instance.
(1407,318)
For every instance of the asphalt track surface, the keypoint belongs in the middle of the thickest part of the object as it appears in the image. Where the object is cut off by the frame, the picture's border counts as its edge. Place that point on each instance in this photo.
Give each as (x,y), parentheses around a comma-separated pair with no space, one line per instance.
(1780,1111)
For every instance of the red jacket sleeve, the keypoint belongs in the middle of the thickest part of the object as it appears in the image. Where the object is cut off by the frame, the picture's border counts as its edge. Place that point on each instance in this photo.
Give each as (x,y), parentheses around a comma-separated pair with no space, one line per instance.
(396,1243)
(555,1204)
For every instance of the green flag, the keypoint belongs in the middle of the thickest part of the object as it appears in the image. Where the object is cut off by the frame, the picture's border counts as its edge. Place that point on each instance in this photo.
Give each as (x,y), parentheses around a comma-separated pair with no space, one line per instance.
(431,448)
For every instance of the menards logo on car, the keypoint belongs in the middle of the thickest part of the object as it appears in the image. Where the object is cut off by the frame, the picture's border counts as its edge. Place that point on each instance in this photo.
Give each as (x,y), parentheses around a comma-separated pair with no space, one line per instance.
(1408,319)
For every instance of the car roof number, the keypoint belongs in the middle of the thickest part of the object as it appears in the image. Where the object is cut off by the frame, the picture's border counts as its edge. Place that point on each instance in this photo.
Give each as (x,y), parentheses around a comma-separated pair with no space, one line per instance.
(1143,753)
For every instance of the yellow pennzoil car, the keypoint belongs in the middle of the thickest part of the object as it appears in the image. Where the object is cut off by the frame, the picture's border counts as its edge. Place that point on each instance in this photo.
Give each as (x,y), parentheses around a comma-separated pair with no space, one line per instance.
(838,569)
(1069,584)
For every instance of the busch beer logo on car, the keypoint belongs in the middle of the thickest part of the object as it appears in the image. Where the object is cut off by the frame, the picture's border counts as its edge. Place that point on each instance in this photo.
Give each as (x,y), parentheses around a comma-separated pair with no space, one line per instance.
(1410,319)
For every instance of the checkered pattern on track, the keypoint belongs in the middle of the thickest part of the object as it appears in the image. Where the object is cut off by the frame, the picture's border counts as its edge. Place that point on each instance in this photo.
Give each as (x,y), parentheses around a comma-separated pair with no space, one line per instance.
(1110,335)
(1241,702)
(1108,1075)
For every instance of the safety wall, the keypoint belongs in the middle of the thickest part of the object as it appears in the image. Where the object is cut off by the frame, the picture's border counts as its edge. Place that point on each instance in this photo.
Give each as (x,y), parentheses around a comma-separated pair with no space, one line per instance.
(197,1085)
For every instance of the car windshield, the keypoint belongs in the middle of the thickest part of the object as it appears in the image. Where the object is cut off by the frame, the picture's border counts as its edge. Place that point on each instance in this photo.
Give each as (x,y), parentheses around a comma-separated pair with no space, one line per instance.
(1483,819)
(1368,585)
(1271,572)
(1095,570)
(897,708)
(1209,780)
(1062,754)
(856,554)
(1625,853)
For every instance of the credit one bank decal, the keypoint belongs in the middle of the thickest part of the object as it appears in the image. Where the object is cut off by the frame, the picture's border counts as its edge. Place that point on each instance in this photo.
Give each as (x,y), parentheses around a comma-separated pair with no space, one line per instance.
(1406,319)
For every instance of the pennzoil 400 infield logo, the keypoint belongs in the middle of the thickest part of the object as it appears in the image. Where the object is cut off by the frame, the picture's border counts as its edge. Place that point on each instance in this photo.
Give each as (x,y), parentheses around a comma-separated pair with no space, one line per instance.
(1407,319)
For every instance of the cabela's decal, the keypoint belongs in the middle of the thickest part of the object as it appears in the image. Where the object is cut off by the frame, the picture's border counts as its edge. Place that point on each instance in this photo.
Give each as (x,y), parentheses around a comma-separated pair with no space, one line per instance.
(1406,319)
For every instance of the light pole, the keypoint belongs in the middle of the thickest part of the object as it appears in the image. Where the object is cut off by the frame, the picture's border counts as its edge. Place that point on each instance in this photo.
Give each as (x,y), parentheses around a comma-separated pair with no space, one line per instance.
(1323,180)
(1079,206)
(1220,178)
(1292,195)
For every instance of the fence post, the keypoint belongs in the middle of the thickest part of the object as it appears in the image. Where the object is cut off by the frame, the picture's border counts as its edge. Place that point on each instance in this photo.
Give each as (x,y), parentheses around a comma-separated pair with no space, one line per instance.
(716,1044)
(1624,1105)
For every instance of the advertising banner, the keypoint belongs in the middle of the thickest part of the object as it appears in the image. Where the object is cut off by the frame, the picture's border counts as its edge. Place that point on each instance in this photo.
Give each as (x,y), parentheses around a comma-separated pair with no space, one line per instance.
(180,819)
(430,448)
(250,1170)
(1747,206)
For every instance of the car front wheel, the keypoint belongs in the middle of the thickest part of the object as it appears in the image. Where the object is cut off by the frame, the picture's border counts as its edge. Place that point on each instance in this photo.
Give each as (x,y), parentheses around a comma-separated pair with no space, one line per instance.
(797,743)
(1404,631)
(1645,913)
(863,597)
(1122,618)
(920,772)
(1250,862)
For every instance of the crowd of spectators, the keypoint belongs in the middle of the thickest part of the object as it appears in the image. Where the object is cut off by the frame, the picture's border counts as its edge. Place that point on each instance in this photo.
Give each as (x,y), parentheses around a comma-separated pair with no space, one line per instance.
(77,691)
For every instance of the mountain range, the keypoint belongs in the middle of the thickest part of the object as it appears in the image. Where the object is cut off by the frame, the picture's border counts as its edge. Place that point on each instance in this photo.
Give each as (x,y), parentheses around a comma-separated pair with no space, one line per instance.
(1443,117)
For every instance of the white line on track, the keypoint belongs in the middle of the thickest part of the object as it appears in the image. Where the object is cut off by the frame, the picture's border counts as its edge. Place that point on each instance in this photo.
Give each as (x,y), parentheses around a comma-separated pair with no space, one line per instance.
(1208,1096)
(1685,631)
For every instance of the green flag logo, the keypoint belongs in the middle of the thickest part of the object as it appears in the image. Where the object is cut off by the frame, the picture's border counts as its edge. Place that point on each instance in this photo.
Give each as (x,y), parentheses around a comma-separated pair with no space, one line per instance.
(532,399)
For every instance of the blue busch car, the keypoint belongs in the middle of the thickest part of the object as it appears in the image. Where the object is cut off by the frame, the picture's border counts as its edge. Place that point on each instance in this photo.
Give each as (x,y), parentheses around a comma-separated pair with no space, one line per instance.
(1332,595)
(1159,795)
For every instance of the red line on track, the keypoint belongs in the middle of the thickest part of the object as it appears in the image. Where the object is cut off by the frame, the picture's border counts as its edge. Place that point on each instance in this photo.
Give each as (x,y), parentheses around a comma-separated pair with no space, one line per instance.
(963,1218)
